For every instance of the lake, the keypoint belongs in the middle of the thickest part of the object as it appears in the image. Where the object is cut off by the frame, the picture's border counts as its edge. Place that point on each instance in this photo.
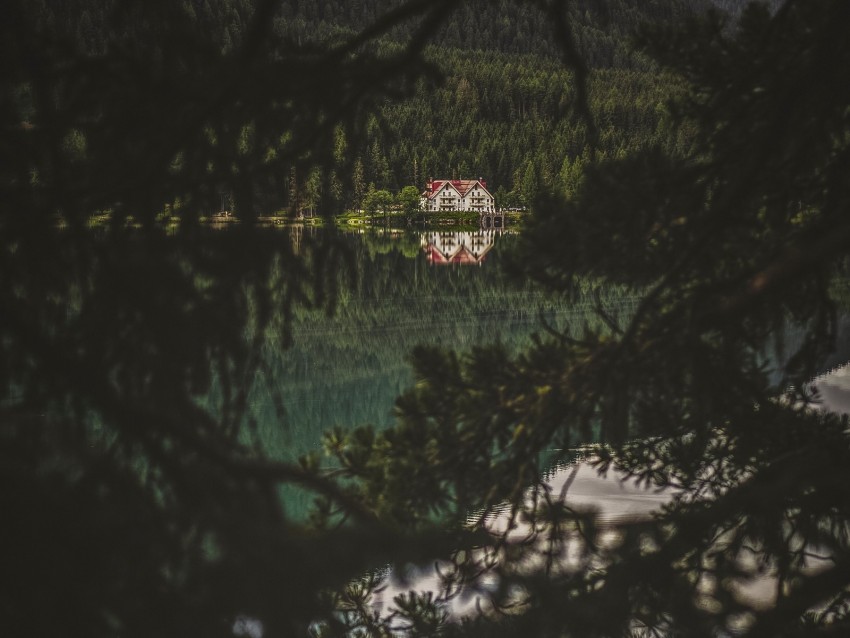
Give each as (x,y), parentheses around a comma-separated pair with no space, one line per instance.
(347,368)
(447,289)
(451,290)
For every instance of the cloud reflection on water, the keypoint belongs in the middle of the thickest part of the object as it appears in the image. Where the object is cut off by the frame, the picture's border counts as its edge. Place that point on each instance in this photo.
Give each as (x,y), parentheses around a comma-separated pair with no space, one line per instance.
(615,499)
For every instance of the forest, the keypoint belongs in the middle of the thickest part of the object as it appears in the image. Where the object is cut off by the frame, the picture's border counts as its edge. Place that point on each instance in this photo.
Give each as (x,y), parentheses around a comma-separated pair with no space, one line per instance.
(500,103)
(141,498)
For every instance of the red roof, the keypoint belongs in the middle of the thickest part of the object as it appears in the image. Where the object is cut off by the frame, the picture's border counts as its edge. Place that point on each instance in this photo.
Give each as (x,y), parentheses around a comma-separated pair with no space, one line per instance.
(462,186)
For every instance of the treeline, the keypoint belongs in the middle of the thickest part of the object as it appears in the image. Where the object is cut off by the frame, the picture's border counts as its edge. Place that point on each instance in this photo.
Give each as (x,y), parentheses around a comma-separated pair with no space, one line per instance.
(602,29)
(108,26)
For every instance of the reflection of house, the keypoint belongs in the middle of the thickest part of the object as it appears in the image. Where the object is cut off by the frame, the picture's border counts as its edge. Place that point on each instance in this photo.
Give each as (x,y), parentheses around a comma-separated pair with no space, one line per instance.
(457,194)
(457,247)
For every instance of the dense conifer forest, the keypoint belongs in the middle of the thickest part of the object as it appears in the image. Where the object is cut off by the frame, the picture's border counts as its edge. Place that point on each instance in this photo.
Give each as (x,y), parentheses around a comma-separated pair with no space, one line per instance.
(501,104)
(142,500)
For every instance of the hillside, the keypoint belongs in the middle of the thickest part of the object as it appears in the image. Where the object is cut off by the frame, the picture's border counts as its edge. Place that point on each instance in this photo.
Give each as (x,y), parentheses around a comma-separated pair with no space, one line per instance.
(504,108)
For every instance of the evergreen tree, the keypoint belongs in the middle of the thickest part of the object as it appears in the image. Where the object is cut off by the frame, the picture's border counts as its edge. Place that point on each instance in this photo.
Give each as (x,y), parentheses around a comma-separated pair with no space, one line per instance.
(726,246)
(140,502)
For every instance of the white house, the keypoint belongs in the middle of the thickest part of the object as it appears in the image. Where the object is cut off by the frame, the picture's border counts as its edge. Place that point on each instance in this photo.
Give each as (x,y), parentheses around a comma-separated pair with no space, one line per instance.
(457,194)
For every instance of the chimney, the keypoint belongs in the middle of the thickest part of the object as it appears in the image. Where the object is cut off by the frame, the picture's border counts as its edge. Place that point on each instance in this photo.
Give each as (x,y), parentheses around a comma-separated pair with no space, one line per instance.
(483,183)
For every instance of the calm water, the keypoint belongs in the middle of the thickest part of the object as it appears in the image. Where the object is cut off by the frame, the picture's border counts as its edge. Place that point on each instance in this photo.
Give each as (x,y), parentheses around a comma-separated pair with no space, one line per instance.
(450,290)
(443,289)
(435,288)
(347,369)
(615,499)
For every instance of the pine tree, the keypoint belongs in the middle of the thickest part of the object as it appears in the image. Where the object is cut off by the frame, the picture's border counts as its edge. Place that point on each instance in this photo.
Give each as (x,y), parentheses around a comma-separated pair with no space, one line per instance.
(141,502)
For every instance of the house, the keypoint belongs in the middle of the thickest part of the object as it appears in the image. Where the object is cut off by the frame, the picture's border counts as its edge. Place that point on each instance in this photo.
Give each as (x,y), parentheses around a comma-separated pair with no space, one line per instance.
(457,195)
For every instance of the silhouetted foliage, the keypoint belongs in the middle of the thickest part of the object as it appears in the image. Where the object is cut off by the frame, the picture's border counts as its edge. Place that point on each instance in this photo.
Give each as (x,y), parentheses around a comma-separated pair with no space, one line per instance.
(140,502)
(138,498)
(728,246)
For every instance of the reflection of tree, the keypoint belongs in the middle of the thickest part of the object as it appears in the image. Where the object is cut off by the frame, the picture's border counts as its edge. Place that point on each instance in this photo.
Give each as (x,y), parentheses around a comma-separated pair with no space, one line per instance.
(133,510)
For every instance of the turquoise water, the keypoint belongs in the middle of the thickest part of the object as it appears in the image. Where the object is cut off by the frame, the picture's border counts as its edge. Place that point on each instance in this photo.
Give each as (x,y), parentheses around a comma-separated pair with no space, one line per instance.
(347,369)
